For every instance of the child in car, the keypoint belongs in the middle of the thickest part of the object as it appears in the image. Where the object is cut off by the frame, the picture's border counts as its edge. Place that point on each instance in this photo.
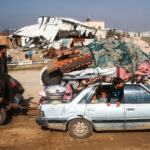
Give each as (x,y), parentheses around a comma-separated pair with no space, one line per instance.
(103,96)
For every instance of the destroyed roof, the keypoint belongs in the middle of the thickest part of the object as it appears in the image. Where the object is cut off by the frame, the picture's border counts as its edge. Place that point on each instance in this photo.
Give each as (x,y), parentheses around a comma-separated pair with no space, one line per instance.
(49,28)
(29,31)
(70,20)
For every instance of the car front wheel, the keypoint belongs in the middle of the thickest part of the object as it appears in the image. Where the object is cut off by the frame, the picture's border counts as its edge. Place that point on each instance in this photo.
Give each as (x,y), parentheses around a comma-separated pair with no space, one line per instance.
(80,128)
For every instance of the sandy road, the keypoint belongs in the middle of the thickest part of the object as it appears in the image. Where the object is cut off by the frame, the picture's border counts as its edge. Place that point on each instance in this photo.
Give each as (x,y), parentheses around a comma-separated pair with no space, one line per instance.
(30,81)
(22,132)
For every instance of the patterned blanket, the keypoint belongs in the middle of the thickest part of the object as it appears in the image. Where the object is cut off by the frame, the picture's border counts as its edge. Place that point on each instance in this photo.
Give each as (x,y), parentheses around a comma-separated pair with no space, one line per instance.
(115,53)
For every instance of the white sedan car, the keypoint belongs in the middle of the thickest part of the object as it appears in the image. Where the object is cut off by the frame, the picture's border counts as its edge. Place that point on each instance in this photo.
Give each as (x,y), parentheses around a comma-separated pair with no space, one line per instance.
(81,115)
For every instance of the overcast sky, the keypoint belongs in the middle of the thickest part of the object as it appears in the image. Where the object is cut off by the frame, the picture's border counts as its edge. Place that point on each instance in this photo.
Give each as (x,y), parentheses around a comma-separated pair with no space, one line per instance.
(129,15)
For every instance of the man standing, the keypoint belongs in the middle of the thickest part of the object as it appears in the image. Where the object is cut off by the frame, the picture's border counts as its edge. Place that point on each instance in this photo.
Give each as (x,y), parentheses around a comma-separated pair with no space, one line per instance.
(3,60)
(30,54)
(116,91)
(9,58)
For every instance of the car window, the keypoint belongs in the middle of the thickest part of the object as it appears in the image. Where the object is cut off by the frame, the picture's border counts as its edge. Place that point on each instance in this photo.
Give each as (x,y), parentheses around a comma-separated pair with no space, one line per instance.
(96,98)
(87,97)
(136,94)
(103,100)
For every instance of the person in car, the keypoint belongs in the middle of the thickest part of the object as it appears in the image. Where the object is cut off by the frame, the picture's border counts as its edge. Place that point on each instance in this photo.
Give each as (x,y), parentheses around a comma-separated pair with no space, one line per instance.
(103,96)
(116,91)
(94,99)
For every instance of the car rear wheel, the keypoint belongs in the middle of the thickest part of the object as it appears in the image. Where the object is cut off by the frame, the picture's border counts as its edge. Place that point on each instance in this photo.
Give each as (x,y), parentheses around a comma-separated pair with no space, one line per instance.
(2,116)
(80,128)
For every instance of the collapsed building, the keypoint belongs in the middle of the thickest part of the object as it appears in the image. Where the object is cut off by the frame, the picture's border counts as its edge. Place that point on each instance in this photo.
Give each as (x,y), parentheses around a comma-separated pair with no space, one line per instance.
(51,30)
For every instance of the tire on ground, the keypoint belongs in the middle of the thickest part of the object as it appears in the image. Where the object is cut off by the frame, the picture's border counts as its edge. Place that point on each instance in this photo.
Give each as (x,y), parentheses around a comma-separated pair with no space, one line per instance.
(52,78)
(2,116)
(80,135)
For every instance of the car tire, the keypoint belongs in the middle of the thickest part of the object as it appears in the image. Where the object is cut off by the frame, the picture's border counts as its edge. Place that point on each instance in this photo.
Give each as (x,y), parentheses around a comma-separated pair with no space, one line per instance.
(2,116)
(80,128)
(52,78)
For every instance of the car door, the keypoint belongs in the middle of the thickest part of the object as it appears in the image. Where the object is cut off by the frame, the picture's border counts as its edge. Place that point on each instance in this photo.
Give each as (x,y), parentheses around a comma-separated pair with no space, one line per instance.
(105,117)
(137,107)
(77,106)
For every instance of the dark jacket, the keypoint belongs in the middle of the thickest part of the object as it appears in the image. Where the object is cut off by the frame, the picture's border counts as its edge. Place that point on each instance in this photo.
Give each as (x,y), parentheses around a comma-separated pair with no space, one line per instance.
(115,93)
(6,91)
(3,64)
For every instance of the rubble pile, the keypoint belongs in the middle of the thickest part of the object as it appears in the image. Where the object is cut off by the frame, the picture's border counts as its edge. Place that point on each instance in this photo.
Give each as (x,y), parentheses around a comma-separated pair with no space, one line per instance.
(16,54)
(19,55)
(144,44)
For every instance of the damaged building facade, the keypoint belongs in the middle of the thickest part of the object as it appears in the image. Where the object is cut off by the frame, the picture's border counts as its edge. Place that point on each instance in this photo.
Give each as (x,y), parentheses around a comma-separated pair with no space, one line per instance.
(99,25)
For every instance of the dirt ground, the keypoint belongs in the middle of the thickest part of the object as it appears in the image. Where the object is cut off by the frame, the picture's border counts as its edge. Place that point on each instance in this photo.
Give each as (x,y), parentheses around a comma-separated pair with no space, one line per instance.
(22,132)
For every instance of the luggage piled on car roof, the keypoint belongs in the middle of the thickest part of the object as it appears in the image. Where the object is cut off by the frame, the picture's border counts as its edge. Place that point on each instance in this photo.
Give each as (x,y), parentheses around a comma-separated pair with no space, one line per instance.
(109,53)
(120,59)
